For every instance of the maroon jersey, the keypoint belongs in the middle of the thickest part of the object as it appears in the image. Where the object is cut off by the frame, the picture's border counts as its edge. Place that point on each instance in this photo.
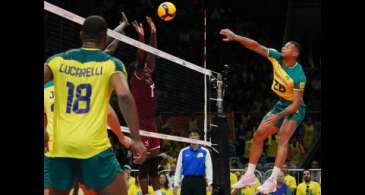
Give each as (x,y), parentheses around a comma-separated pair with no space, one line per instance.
(143,90)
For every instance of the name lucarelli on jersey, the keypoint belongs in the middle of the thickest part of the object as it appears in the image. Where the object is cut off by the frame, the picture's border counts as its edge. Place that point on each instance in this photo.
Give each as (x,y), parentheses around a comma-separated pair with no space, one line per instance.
(81,72)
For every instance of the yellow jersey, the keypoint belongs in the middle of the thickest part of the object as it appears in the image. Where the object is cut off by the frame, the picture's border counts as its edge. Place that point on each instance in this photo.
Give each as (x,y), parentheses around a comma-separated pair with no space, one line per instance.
(246,153)
(285,79)
(132,181)
(313,188)
(233,178)
(251,190)
(48,109)
(308,135)
(82,92)
(136,190)
(166,191)
(272,146)
(290,181)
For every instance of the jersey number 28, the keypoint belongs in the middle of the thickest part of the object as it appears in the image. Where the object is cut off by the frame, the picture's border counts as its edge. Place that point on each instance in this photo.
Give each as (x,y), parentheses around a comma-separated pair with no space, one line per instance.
(279,87)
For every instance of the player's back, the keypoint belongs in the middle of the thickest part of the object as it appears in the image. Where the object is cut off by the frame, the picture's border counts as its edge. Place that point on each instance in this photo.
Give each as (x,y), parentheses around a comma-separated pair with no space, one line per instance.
(82,90)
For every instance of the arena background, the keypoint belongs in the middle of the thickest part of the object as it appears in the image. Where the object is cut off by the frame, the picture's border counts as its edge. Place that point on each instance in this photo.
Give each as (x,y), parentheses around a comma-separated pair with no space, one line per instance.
(247,76)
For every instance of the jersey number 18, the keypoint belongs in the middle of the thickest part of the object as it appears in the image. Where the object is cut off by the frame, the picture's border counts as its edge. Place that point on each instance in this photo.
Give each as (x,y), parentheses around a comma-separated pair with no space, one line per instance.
(79,97)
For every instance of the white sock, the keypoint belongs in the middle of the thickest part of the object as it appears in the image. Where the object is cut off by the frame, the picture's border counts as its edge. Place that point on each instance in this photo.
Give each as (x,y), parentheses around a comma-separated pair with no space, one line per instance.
(157,192)
(250,169)
(275,172)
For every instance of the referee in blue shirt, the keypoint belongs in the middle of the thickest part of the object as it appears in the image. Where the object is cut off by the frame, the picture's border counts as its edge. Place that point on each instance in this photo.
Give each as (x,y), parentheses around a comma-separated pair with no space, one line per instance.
(193,169)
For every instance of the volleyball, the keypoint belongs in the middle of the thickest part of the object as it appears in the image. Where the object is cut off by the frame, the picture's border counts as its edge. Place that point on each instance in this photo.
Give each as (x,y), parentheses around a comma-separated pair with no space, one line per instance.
(166,11)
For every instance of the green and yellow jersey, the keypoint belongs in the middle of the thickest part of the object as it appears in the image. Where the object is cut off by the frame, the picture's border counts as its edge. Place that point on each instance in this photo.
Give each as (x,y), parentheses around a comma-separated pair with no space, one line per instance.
(48,109)
(286,79)
(82,92)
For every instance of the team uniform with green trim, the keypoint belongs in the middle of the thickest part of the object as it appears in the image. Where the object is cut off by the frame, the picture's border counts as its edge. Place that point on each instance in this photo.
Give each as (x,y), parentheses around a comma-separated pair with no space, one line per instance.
(286,80)
(81,148)
(48,109)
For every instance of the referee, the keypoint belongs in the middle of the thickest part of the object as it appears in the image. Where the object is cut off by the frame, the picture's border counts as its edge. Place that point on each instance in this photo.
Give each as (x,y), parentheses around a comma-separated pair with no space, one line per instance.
(193,166)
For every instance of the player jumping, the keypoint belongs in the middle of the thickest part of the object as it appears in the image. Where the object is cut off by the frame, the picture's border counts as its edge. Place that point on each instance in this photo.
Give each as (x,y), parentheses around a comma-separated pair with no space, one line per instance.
(288,83)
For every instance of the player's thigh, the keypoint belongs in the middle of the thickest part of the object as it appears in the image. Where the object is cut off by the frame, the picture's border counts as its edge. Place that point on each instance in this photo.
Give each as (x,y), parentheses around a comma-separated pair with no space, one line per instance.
(100,170)
(62,174)
(287,130)
(144,169)
(291,123)
(153,168)
(117,187)
(266,128)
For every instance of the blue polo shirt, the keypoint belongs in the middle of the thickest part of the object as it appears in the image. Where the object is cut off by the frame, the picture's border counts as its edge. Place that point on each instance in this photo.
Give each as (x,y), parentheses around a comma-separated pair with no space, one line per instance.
(194,163)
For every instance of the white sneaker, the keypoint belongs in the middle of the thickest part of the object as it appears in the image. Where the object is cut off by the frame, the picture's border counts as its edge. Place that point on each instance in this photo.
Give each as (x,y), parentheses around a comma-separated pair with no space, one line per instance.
(245,180)
(268,186)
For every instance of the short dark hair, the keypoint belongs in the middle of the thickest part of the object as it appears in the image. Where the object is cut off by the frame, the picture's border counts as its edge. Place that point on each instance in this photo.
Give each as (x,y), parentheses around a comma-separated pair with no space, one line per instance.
(94,28)
(307,170)
(193,130)
(296,45)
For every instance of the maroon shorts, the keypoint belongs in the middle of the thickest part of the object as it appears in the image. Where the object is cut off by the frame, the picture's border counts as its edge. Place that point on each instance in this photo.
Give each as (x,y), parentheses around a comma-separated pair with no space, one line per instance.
(149,142)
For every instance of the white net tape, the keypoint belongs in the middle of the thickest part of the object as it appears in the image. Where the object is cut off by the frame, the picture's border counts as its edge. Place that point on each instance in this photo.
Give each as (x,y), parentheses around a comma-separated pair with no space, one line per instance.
(78,19)
(169,137)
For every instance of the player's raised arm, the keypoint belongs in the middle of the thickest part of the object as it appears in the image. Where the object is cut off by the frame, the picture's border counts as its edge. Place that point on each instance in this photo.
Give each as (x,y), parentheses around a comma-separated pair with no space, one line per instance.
(113,43)
(246,42)
(151,58)
(140,52)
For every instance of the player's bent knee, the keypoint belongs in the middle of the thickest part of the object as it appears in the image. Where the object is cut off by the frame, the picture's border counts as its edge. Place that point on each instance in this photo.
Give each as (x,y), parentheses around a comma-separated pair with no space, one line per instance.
(260,135)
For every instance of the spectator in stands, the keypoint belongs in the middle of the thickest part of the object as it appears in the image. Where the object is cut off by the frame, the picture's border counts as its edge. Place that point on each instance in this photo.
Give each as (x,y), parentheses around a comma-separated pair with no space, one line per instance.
(248,143)
(316,175)
(164,186)
(171,174)
(272,146)
(163,164)
(127,174)
(289,180)
(282,188)
(296,152)
(232,176)
(308,133)
(135,189)
(308,186)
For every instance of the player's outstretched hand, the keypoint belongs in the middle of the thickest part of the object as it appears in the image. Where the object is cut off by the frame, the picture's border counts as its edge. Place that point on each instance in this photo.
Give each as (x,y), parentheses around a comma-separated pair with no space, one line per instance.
(228,35)
(139,151)
(127,142)
(125,19)
(151,24)
(138,28)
